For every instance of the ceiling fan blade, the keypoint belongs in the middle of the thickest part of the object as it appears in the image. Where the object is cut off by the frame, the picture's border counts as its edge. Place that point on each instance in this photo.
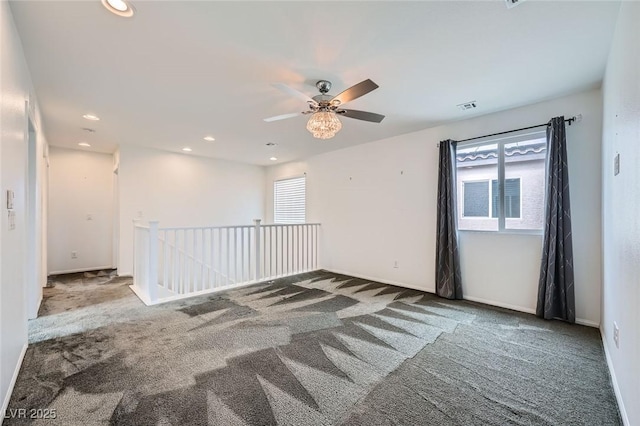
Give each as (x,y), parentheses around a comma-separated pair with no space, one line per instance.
(282,117)
(361,115)
(356,91)
(293,92)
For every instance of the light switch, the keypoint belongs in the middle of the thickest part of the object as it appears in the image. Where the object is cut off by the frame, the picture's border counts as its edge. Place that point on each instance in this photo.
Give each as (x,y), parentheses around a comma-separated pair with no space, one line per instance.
(10,196)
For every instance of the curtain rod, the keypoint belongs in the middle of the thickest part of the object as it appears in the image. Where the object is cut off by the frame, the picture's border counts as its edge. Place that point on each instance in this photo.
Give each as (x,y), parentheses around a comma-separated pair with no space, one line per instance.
(568,120)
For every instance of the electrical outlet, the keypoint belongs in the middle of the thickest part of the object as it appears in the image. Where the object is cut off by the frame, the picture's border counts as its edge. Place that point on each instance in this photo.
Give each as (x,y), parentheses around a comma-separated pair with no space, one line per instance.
(616,334)
(74,254)
(395,264)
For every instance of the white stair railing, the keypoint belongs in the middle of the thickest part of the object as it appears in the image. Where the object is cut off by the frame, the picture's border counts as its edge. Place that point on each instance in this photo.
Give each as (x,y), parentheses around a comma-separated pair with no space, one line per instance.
(173,263)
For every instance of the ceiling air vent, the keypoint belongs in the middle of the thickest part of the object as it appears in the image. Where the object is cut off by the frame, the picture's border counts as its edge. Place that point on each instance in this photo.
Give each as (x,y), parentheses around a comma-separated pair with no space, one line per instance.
(468,105)
(513,3)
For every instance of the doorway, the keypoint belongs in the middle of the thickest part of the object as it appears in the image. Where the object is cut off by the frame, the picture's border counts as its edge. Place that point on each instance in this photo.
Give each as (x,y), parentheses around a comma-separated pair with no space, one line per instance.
(35,264)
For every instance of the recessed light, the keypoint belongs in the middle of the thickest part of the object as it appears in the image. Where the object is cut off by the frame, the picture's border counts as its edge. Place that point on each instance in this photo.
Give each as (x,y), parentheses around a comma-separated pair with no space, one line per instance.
(119,7)
(273,159)
(91,117)
(84,144)
(209,138)
(187,149)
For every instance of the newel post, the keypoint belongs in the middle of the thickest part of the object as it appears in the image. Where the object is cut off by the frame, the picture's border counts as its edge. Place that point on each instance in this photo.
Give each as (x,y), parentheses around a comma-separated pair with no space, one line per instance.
(152,274)
(257,227)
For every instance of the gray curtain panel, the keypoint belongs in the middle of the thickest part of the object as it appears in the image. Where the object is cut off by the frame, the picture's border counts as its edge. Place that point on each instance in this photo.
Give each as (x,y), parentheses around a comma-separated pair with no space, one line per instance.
(448,277)
(556,297)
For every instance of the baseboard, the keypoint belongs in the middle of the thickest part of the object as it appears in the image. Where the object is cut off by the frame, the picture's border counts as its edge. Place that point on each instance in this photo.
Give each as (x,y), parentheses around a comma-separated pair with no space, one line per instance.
(500,304)
(148,302)
(469,298)
(74,271)
(614,382)
(143,297)
(381,280)
(39,305)
(588,323)
(7,397)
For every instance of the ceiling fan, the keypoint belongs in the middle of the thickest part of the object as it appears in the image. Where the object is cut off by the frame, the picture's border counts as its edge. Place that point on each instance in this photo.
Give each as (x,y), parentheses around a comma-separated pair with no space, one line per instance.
(325,109)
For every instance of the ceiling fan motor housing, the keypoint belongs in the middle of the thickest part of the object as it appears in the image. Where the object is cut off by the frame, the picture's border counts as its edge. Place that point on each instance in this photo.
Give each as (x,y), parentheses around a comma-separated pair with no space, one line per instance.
(323,86)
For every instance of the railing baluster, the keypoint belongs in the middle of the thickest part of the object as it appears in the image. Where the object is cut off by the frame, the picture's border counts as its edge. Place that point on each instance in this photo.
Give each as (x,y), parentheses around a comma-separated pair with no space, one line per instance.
(236,264)
(201,259)
(310,247)
(228,253)
(277,253)
(219,272)
(181,271)
(263,252)
(165,261)
(212,269)
(174,257)
(299,248)
(186,261)
(242,254)
(192,260)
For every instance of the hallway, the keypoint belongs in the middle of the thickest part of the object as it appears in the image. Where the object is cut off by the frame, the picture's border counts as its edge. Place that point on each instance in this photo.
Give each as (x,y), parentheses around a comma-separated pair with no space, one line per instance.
(80,302)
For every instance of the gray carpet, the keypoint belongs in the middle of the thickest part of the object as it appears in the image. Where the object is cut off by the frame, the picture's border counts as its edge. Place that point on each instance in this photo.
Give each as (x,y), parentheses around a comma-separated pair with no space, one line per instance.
(314,349)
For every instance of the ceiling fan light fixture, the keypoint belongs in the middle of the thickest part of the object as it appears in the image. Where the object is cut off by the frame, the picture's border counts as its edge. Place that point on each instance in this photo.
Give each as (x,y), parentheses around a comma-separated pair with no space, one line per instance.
(324,124)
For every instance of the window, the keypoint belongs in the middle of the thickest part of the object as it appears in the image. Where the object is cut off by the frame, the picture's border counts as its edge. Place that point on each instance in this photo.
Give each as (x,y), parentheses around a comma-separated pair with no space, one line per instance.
(289,197)
(501,184)
(511,198)
(476,199)
(477,195)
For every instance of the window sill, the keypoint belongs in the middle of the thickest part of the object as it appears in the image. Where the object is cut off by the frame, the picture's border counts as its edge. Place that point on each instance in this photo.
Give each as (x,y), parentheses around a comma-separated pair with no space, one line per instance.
(505,232)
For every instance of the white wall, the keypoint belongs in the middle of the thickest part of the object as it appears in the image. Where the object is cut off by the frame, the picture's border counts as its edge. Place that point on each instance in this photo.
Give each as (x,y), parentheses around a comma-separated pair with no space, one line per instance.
(376,203)
(80,186)
(621,206)
(183,190)
(15,89)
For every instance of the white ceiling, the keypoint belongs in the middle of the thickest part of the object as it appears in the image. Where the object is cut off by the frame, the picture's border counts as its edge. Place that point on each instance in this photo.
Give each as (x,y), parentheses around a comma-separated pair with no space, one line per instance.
(179,70)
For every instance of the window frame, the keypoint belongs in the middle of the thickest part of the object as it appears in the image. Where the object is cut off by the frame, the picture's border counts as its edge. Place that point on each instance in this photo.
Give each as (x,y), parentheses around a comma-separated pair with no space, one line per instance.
(490,199)
(275,204)
(501,142)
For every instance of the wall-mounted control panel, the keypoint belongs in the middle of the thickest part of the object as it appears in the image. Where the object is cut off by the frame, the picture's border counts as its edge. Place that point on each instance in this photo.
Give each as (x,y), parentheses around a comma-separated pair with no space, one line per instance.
(11,214)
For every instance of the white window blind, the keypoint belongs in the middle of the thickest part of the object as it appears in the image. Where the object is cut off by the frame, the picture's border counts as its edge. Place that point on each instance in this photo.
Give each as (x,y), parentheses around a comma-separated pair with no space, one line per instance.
(289,200)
